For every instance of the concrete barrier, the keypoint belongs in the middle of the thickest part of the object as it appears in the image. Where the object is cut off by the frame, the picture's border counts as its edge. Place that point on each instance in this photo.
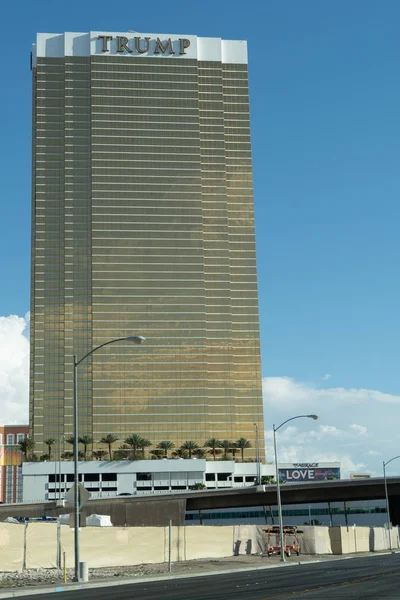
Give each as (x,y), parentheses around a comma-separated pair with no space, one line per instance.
(207,542)
(248,539)
(350,540)
(315,540)
(124,546)
(11,547)
(378,539)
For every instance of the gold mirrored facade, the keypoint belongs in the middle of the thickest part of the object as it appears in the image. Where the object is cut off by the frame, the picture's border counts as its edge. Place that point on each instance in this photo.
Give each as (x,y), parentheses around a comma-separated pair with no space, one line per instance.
(143,224)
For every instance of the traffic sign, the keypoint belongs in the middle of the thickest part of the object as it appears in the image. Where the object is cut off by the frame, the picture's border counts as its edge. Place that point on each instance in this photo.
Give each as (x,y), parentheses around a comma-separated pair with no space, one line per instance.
(83,495)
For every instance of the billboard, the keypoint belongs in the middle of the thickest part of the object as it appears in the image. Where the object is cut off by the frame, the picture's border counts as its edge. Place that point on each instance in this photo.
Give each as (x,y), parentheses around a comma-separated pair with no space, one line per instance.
(10,456)
(298,472)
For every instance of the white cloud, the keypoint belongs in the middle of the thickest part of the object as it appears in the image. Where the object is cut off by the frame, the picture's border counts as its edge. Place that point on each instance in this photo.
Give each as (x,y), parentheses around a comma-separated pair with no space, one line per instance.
(285,390)
(329,430)
(326,376)
(339,435)
(14,369)
(360,429)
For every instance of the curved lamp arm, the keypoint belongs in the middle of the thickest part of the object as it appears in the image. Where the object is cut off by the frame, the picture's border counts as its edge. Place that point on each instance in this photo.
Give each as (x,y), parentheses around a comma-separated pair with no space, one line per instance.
(389,461)
(136,339)
(315,417)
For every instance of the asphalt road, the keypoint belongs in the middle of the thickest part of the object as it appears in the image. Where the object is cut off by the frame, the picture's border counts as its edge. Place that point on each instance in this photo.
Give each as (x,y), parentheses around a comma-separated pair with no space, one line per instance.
(373,577)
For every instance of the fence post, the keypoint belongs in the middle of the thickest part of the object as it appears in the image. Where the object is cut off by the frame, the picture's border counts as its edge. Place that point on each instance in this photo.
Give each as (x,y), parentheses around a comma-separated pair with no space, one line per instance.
(265,514)
(272,515)
(25,543)
(170,546)
(65,568)
(58,544)
(345,515)
(330,515)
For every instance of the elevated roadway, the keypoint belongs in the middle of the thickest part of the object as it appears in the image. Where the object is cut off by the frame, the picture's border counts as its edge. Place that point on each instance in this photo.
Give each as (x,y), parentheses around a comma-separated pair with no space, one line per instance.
(157,509)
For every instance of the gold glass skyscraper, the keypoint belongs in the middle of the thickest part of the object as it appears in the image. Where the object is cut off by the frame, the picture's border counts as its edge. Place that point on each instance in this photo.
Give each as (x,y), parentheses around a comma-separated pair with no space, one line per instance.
(143,224)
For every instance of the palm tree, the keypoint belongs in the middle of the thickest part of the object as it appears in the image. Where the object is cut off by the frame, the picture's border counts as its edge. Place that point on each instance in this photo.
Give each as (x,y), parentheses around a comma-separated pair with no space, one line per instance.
(67,455)
(180,453)
(109,439)
(234,449)
(145,444)
(122,452)
(86,440)
(190,446)
(26,445)
(135,442)
(227,447)
(198,486)
(99,454)
(166,445)
(242,443)
(267,479)
(200,453)
(156,453)
(49,443)
(70,440)
(213,444)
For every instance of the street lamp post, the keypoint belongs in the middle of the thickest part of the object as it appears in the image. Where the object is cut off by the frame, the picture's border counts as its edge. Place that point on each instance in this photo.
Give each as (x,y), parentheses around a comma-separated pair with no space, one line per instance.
(59,467)
(387,498)
(278,486)
(258,458)
(136,339)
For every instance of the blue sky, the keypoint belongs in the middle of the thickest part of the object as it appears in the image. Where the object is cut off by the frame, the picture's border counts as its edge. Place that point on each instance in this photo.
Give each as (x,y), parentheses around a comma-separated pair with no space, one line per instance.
(325,97)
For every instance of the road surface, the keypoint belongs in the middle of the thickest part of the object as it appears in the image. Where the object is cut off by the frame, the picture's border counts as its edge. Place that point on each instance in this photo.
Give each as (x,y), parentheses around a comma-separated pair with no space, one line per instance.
(372,577)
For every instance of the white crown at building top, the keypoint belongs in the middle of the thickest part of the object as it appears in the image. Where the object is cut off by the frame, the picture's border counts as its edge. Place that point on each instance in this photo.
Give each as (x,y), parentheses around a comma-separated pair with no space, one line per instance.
(133,44)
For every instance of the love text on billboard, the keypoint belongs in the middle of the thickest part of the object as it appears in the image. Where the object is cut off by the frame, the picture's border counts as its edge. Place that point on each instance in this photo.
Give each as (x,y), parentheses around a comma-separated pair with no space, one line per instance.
(306,474)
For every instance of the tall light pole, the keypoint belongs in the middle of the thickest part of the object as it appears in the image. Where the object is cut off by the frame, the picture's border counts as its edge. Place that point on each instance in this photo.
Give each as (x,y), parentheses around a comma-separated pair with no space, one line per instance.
(387,498)
(62,437)
(258,458)
(135,339)
(278,486)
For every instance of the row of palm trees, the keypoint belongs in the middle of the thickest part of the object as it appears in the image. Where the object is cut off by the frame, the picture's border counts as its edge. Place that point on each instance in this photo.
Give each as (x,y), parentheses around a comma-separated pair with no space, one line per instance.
(134,446)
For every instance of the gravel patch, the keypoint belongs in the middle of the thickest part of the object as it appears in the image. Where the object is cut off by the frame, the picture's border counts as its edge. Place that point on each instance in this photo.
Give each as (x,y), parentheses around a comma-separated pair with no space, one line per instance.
(32,577)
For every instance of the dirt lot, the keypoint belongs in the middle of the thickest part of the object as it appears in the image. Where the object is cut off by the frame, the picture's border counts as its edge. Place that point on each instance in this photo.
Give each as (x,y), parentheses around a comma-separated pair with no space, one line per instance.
(53,576)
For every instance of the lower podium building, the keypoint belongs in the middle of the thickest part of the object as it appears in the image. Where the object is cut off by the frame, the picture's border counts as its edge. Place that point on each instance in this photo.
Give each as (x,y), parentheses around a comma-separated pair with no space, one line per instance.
(42,481)
(11,459)
(49,481)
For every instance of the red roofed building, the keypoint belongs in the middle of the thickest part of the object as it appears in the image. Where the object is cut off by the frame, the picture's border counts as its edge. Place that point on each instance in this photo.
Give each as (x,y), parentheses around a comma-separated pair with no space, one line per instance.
(10,462)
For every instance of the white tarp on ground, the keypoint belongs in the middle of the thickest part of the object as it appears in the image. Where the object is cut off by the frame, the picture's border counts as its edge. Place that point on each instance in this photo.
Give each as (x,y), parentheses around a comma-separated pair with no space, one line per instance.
(64,519)
(12,520)
(98,521)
